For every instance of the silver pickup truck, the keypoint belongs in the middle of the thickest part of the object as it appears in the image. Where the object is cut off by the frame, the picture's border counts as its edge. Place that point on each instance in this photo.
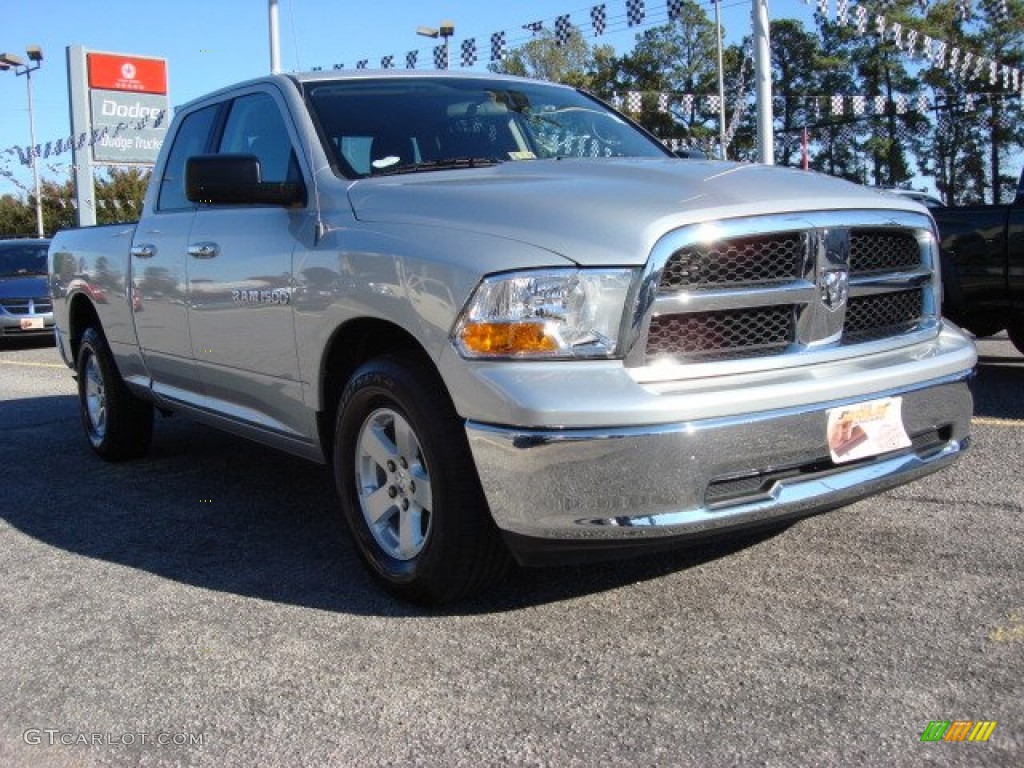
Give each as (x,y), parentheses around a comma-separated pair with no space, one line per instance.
(512,322)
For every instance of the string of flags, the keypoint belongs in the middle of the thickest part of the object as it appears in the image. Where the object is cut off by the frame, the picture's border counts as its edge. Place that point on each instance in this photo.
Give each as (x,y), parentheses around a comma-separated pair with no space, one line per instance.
(633,13)
(84,139)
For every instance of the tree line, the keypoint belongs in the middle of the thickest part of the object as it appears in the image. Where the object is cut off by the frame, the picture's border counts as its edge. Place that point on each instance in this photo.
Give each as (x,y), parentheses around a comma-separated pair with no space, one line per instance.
(119,194)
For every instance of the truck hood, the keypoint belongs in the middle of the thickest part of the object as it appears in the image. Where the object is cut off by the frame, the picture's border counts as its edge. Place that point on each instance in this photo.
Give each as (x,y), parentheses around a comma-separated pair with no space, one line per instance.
(606,211)
(27,287)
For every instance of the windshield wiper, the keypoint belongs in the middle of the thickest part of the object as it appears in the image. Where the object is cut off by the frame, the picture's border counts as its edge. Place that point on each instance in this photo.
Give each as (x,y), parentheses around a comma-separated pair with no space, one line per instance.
(444,164)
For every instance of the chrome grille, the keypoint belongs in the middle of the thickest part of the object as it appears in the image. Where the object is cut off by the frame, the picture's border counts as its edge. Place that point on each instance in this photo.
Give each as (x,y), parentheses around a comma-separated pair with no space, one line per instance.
(27,306)
(875,317)
(874,251)
(735,263)
(722,335)
(776,290)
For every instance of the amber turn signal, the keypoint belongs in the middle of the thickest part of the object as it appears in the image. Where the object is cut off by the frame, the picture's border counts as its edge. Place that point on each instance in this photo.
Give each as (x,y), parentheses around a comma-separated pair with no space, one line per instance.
(506,338)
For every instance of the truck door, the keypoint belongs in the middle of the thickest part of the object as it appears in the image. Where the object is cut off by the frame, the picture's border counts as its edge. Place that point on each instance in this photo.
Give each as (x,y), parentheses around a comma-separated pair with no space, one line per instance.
(159,268)
(240,280)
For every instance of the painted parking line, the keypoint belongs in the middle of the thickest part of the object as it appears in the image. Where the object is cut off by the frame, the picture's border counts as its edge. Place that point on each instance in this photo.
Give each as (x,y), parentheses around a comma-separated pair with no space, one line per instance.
(993,422)
(32,365)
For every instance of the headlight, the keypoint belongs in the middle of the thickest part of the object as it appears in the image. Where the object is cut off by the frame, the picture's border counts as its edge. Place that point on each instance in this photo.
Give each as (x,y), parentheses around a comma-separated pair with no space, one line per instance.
(545,314)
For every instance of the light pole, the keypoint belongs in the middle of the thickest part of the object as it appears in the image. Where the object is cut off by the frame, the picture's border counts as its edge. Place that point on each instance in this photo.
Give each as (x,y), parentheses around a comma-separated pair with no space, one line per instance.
(446,31)
(275,40)
(7,61)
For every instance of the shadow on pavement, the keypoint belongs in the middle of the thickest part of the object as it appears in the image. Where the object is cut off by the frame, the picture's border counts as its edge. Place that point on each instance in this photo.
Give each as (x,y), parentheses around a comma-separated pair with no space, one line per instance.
(210,510)
(999,382)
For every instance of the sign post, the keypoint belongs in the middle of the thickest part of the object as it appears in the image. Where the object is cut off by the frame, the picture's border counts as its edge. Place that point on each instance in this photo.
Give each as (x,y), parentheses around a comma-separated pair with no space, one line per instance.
(119,116)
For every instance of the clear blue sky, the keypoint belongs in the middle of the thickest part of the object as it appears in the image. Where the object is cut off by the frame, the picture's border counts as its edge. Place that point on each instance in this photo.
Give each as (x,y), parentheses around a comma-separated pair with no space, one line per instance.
(210,43)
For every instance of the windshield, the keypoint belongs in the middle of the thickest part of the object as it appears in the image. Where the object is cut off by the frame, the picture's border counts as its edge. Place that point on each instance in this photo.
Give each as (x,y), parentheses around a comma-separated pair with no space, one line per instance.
(19,259)
(406,125)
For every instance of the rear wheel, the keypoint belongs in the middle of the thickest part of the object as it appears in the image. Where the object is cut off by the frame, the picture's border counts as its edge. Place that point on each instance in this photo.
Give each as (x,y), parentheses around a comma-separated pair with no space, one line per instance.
(409,489)
(118,424)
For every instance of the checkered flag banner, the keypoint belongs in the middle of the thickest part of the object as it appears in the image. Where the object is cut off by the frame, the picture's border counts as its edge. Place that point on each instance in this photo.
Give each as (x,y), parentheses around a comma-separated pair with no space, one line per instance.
(634,101)
(922,103)
(897,35)
(954,61)
(388,62)
(362,64)
(911,41)
(842,12)
(663,103)
(880,26)
(337,66)
(879,105)
(858,105)
(939,55)
(675,8)
(993,72)
(998,11)
(714,103)
(979,64)
(410,59)
(968,102)
(926,47)
(963,10)
(617,101)
(440,57)
(498,46)
(823,9)
(966,65)
(534,26)
(599,18)
(635,12)
(837,104)
(901,104)
(563,30)
(469,52)
(687,102)
(923,5)
(860,18)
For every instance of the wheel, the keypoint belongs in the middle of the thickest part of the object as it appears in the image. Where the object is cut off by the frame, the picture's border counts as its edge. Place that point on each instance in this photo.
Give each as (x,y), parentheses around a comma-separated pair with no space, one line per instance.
(118,424)
(409,489)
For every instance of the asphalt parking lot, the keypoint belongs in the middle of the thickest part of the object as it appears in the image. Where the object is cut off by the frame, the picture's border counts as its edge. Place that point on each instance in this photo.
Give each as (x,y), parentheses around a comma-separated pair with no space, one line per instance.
(203,607)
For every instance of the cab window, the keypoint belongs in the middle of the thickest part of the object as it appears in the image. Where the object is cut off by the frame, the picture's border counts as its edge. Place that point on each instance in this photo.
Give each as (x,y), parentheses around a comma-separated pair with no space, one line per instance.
(255,127)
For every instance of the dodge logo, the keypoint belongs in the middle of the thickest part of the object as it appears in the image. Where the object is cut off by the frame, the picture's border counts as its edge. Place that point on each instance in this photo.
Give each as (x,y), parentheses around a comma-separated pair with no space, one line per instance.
(835,287)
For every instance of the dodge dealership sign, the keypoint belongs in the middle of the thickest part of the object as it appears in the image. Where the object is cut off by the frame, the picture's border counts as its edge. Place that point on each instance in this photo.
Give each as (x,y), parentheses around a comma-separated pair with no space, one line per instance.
(128,103)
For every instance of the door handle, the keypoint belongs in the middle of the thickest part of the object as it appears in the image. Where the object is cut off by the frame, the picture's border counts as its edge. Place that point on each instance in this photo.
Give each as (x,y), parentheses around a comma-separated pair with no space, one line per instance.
(145,251)
(203,250)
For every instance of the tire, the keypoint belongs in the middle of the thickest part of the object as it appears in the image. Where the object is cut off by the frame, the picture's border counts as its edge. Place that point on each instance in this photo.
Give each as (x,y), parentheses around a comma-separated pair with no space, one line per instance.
(408,486)
(118,424)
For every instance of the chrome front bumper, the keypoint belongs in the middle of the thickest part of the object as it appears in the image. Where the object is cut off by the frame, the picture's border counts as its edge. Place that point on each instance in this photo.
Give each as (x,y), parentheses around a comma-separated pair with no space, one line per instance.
(562,495)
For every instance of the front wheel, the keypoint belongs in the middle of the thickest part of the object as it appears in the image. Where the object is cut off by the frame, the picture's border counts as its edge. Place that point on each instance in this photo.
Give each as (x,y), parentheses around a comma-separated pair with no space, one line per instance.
(408,486)
(118,424)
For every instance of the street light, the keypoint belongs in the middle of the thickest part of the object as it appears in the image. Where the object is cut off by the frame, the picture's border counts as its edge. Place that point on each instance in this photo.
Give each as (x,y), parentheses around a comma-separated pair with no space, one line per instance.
(7,61)
(446,31)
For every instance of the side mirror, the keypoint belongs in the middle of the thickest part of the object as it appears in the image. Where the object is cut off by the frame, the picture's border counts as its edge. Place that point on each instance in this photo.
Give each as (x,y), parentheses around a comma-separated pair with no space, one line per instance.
(234,180)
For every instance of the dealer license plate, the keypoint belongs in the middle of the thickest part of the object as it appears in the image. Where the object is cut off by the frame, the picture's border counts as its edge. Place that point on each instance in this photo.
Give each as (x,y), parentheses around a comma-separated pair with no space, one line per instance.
(32,323)
(866,429)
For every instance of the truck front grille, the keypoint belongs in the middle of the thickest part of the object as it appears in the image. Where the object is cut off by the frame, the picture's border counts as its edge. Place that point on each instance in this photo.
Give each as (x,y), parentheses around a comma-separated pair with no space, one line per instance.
(723,335)
(38,306)
(775,287)
(734,263)
(875,317)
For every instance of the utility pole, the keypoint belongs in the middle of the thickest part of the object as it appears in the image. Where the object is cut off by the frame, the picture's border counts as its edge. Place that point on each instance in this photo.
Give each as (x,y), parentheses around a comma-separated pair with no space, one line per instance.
(763,81)
(275,40)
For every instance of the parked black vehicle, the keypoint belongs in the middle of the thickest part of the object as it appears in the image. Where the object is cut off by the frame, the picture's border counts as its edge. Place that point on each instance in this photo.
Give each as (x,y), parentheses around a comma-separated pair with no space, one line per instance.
(25,305)
(983,266)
